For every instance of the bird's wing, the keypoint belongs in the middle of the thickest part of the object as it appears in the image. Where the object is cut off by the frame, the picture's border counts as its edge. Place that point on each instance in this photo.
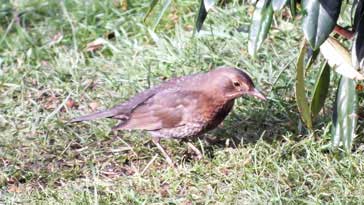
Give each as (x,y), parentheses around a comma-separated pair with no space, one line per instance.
(123,110)
(167,109)
(120,111)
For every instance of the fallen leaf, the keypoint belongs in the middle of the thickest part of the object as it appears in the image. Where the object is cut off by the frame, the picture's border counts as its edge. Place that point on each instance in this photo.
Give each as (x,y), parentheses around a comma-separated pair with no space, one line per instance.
(173,17)
(188,27)
(14,188)
(359,87)
(110,174)
(187,202)
(51,102)
(94,106)
(44,63)
(100,43)
(4,162)
(71,103)
(225,171)
(56,38)
(34,82)
(164,189)
(12,180)
(124,5)
(95,45)
(89,84)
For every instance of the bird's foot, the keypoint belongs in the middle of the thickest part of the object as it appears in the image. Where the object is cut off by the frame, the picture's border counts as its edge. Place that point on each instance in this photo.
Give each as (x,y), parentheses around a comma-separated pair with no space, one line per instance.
(164,153)
(196,150)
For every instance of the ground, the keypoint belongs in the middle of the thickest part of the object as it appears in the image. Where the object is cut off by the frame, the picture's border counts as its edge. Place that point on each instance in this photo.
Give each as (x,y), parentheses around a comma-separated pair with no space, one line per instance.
(59,60)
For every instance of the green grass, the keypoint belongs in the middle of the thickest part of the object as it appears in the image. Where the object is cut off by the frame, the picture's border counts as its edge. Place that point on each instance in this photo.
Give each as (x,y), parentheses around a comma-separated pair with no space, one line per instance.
(261,154)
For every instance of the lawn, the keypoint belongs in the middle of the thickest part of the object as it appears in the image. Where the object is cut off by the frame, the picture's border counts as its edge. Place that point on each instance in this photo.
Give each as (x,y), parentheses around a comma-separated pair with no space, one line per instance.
(62,59)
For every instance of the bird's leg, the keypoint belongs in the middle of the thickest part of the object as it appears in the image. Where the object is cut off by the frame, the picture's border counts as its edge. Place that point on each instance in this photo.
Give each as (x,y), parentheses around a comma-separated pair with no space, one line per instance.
(197,151)
(161,149)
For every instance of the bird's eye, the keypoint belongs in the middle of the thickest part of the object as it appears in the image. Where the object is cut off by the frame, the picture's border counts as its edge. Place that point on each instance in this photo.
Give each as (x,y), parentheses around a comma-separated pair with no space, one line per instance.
(236,84)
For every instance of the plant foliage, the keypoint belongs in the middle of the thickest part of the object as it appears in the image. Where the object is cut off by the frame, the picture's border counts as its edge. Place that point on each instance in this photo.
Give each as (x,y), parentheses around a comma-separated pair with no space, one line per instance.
(319,20)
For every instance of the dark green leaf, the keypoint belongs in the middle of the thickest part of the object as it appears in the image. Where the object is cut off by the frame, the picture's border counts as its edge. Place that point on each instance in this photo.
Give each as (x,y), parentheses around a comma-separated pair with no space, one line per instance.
(320,90)
(319,20)
(165,6)
(202,13)
(344,115)
(278,4)
(312,58)
(302,102)
(153,3)
(359,12)
(358,44)
(260,25)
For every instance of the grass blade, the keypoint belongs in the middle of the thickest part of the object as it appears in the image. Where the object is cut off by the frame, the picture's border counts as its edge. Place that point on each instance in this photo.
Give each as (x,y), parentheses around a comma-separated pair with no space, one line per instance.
(165,6)
(153,3)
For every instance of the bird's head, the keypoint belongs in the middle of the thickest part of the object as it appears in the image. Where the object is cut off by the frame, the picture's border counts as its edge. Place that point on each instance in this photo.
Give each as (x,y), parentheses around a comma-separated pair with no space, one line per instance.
(235,83)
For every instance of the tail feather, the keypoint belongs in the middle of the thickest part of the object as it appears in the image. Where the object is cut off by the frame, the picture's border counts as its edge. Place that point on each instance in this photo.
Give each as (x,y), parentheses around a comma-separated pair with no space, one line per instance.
(119,126)
(96,115)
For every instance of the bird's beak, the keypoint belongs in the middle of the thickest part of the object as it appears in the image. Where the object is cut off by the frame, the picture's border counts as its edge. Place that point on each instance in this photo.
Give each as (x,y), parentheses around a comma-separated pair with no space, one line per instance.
(256,93)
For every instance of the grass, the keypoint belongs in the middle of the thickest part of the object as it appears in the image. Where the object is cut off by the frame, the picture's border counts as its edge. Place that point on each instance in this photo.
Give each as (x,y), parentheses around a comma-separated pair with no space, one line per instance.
(261,154)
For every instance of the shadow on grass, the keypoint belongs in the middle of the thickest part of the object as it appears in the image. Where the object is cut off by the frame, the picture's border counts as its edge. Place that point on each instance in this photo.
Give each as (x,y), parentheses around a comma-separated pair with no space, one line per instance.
(247,126)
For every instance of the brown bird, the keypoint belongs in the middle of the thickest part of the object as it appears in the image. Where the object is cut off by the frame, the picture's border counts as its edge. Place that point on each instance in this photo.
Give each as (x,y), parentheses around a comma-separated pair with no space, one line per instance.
(182,107)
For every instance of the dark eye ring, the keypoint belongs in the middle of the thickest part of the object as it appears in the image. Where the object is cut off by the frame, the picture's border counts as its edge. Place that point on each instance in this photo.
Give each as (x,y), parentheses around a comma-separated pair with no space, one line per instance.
(236,84)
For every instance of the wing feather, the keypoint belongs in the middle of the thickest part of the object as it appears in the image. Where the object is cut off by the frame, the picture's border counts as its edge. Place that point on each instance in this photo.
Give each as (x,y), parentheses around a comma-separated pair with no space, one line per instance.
(165,110)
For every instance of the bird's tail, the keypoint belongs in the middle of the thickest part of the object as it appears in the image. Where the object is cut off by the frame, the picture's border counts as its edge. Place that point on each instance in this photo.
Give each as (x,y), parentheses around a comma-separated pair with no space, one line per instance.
(94,116)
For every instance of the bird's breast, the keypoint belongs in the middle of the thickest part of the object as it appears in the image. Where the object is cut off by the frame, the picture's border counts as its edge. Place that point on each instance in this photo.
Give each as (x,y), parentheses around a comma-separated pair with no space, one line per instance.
(218,114)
